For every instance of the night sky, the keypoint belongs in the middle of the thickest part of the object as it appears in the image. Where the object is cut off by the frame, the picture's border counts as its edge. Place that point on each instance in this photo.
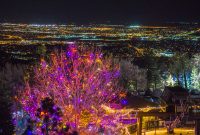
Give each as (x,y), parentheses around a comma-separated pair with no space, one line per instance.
(99,11)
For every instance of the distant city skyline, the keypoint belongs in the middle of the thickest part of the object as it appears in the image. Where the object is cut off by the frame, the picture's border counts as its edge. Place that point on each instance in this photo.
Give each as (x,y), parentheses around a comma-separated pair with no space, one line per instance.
(104,11)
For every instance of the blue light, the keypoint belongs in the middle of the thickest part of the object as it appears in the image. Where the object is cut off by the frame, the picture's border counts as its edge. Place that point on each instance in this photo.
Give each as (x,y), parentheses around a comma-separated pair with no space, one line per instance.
(124,102)
(134,26)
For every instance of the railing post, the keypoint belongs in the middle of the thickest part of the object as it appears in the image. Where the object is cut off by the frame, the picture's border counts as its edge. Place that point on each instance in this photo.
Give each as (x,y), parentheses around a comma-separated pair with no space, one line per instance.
(139,131)
(197,127)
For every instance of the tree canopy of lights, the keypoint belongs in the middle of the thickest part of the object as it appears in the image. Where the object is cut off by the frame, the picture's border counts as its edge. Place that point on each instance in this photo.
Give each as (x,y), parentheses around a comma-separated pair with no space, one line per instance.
(196,72)
(83,84)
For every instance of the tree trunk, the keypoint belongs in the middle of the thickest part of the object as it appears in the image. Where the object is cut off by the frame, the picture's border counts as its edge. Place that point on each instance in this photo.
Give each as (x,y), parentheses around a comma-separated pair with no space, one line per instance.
(185,79)
(136,87)
(155,84)
(177,76)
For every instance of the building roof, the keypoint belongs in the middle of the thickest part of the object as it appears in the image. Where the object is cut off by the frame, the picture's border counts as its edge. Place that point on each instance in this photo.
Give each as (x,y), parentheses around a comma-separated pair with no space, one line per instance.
(143,102)
(178,91)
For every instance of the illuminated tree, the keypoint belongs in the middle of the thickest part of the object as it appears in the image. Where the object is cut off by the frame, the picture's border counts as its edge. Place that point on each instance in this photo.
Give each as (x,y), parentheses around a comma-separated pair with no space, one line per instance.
(196,72)
(82,84)
(152,65)
(50,115)
(132,76)
(10,76)
(180,67)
